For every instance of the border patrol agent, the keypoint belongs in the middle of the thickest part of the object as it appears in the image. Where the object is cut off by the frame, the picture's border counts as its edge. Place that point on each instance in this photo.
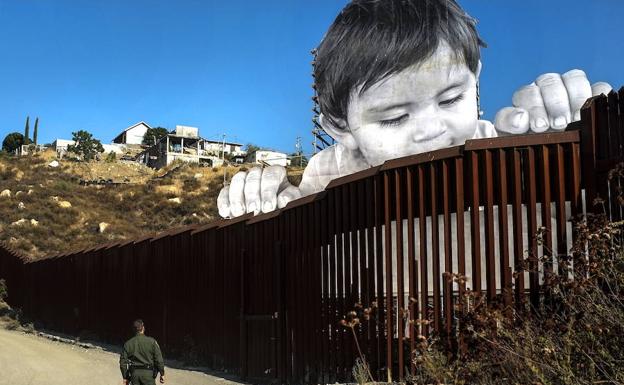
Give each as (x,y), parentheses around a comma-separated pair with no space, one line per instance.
(141,359)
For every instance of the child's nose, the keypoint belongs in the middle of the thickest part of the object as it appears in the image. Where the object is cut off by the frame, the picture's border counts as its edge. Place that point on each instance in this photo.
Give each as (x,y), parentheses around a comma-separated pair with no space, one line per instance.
(426,129)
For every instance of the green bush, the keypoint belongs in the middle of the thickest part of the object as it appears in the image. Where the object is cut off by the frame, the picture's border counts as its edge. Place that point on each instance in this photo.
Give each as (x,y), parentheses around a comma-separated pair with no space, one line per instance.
(111,157)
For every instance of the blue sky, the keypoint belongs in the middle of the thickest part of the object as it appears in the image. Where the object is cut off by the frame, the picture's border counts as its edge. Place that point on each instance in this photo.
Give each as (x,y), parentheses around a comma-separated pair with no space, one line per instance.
(242,67)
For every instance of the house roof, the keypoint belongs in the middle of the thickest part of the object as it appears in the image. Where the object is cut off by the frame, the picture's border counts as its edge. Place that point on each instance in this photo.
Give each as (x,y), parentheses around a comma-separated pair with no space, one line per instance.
(221,142)
(131,127)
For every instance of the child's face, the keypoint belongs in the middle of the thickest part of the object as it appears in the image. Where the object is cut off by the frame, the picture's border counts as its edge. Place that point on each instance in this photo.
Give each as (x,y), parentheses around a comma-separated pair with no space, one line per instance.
(423,108)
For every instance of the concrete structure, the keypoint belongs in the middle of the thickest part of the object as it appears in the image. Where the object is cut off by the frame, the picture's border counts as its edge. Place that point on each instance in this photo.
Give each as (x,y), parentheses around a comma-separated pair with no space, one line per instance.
(60,146)
(114,147)
(26,149)
(133,134)
(271,158)
(185,144)
(218,148)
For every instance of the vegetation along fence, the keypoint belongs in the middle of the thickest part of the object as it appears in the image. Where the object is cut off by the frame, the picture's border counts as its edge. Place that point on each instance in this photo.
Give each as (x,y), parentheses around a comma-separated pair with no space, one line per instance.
(264,296)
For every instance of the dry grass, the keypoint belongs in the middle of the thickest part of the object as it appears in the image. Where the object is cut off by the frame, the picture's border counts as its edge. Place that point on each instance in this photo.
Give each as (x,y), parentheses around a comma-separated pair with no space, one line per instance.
(131,209)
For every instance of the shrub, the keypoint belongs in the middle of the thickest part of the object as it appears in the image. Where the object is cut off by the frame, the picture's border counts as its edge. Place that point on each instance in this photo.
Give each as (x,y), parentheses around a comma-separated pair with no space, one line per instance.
(111,157)
(3,290)
(191,184)
(574,336)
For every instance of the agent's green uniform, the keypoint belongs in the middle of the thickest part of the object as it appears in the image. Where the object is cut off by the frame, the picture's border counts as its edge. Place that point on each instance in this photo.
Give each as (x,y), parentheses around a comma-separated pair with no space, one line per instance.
(140,359)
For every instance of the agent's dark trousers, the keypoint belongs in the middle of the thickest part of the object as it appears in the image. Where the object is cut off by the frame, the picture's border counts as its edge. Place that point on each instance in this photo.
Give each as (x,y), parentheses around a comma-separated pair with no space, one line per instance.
(143,377)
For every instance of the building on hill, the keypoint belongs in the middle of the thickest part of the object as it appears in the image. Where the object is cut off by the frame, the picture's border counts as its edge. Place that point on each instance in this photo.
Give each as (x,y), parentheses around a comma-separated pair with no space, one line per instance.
(221,148)
(60,146)
(117,148)
(29,149)
(133,134)
(183,144)
(268,158)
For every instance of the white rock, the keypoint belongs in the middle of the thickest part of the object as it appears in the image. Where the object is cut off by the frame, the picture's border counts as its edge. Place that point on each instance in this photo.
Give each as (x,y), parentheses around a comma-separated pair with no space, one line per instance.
(175,200)
(5,193)
(34,222)
(30,191)
(64,204)
(19,222)
(199,175)
(54,163)
(102,227)
(21,206)
(18,193)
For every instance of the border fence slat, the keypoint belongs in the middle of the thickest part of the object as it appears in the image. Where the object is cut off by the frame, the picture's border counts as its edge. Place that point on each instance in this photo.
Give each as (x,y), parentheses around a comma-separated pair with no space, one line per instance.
(264,296)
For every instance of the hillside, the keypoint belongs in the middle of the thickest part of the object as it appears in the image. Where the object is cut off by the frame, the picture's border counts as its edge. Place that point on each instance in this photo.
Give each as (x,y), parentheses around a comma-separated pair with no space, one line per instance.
(36,219)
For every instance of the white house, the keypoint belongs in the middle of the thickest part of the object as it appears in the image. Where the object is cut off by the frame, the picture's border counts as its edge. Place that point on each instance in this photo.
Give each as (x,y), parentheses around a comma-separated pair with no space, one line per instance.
(217,148)
(114,147)
(184,144)
(60,146)
(271,158)
(133,134)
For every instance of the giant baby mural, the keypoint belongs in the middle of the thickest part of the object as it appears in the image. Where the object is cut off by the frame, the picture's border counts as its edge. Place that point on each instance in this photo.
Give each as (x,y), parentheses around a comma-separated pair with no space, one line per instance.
(397,78)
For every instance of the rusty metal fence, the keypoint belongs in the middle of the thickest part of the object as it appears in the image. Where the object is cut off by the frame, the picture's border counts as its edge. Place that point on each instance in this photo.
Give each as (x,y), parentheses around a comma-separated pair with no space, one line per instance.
(263,296)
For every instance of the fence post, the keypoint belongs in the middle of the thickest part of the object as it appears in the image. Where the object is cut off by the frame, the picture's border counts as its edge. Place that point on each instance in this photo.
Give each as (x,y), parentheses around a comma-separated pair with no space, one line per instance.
(589,142)
(243,320)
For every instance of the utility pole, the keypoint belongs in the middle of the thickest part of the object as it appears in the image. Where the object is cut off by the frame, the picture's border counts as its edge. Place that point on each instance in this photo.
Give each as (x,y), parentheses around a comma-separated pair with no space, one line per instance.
(223,149)
(298,151)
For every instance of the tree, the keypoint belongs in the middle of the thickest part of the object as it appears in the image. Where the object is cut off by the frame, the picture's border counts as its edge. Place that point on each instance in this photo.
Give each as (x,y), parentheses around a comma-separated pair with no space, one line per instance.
(153,135)
(27,131)
(85,145)
(35,131)
(298,160)
(250,148)
(12,142)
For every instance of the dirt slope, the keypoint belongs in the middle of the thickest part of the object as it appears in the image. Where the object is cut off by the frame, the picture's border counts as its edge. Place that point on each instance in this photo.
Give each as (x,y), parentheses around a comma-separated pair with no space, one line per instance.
(30,360)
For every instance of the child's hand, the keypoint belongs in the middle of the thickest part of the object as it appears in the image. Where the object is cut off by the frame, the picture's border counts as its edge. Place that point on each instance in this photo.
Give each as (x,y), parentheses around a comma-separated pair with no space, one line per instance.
(552,101)
(255,191)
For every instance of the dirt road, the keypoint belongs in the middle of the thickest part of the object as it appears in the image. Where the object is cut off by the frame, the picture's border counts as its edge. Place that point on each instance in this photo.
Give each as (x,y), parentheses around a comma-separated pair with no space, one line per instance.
(31,360)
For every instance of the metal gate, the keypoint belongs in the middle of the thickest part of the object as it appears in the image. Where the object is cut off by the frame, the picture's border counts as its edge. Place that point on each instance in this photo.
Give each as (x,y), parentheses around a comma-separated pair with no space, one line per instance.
(262,312)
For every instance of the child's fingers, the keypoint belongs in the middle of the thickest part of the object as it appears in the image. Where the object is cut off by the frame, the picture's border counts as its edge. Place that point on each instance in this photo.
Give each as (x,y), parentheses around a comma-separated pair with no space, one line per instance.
(601,88)
(579,91)
(273,181)
(223,202)
(289,194)
(237,196)
(529,98)
(556,100)
(252,190)
(512,120)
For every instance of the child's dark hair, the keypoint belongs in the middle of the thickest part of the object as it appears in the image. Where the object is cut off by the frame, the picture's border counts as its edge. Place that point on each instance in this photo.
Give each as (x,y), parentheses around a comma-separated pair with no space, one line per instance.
(373,39)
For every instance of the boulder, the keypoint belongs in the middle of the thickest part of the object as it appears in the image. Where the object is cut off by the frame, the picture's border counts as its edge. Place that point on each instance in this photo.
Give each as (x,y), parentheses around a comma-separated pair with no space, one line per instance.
(54,164)
(5,193)
(102,227)
(21,206)
(19,222)
(64,204)
(34,222)
(18,193)
(175,200)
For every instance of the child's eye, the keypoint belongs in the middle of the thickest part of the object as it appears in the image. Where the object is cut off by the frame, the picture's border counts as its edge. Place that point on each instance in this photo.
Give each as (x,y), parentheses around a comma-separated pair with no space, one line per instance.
(395,121)
(450,102)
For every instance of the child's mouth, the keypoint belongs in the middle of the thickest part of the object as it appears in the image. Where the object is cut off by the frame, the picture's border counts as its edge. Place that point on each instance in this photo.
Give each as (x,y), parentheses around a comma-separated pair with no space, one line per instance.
(430,138)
